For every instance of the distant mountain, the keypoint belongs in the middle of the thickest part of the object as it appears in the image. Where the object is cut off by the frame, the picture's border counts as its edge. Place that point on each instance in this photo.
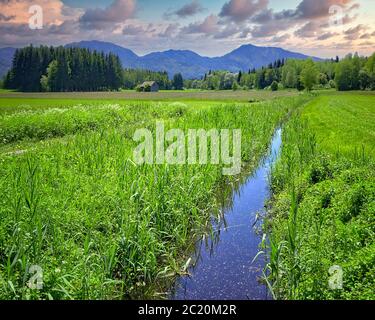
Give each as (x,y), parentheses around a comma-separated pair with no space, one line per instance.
(189,63)
(6,57)
(249,56)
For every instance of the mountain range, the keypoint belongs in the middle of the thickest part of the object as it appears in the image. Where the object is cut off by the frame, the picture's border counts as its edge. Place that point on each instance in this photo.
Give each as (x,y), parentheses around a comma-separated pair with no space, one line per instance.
(6,57)
(189,63)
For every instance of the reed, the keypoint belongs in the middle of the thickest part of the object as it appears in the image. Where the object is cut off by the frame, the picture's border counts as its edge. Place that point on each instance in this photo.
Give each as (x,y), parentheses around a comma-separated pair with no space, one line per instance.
(100,226)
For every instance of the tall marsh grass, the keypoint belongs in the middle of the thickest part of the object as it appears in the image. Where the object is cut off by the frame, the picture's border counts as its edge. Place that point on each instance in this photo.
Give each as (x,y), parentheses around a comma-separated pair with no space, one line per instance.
(97,224)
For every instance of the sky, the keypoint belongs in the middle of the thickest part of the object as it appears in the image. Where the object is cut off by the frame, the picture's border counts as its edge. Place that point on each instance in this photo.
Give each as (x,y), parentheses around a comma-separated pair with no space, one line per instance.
(323,28)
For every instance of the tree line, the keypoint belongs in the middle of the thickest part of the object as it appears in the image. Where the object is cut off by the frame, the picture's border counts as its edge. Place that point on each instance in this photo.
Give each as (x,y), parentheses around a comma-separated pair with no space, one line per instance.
(356,73)
(60,69)
(76,69)
(351,73)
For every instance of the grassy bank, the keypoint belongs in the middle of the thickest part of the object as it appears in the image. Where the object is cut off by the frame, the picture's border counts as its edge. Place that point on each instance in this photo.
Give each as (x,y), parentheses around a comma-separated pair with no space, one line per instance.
(323,212)
(97,224)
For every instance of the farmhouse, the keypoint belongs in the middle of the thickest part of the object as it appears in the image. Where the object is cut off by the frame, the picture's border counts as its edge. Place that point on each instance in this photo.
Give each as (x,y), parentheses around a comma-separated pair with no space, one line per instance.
(149,86)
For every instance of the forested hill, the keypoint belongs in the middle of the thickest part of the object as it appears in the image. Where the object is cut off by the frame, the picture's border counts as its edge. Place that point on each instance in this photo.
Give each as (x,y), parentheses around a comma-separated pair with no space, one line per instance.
(63,69)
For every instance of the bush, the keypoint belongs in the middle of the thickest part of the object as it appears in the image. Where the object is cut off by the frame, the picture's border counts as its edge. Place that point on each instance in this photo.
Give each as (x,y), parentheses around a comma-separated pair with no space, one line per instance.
(323,79)
(332,84)
(147,88)
(274,86)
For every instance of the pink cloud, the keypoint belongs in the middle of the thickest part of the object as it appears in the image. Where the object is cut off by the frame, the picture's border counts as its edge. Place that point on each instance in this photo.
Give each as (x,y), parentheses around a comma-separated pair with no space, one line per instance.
(118,11)
(208,26)
(240,10)
(53,11)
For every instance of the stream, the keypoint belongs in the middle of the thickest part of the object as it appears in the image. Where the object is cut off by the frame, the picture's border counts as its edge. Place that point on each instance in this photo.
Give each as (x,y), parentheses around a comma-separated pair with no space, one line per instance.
(222,267)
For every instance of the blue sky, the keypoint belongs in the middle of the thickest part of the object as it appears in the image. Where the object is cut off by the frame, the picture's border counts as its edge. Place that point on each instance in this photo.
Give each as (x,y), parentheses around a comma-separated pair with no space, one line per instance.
(209,27)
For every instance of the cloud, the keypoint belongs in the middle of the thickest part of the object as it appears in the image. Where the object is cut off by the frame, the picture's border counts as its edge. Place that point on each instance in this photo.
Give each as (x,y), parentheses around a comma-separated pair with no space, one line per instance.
(312,9)
(280,39)
(272,28)
(119,11)
(309,30)
(369,44)
(355,32)
(59,22)
(6,18)
(327,35)
(263,17)
(236,22)
(187,10)
(208,26)
(140,30)
(67,28)
(227,32)
(348,19)
(54,11)
(241,10)
(310,17)
(365,36)
(171,30)
(133,30)
(20,30)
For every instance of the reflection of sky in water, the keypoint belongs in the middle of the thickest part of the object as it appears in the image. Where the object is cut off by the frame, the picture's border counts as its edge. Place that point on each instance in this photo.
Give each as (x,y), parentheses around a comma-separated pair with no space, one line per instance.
(224,270)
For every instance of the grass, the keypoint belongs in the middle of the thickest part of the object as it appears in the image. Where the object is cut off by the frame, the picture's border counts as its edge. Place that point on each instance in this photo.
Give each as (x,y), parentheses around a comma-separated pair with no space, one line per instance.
(196,95)
(322,214)
(100,226)
(103,228)
(342,123)
(40,125)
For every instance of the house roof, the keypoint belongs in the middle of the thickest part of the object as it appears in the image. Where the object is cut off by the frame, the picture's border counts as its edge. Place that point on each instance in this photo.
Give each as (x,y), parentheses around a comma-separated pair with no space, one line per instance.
(150,83)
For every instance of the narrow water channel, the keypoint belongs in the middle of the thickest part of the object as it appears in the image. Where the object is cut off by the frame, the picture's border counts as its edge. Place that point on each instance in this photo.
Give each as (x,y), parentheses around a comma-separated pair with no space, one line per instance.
(222,267)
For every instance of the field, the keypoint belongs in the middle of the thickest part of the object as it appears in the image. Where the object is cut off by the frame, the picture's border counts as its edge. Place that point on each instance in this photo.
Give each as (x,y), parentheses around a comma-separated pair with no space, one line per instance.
(102,227)
(343,123)
(189,95)
(78,206)
(322,221)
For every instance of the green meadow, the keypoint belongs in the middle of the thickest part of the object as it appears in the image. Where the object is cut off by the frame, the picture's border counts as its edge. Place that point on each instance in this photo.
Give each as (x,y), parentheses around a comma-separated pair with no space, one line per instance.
(322,215)
(343,123)
(101,227)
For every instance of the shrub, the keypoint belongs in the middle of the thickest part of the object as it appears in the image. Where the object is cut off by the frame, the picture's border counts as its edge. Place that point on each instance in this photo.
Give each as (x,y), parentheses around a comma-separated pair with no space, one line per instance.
(147,88)
(274,86)
(332,84)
